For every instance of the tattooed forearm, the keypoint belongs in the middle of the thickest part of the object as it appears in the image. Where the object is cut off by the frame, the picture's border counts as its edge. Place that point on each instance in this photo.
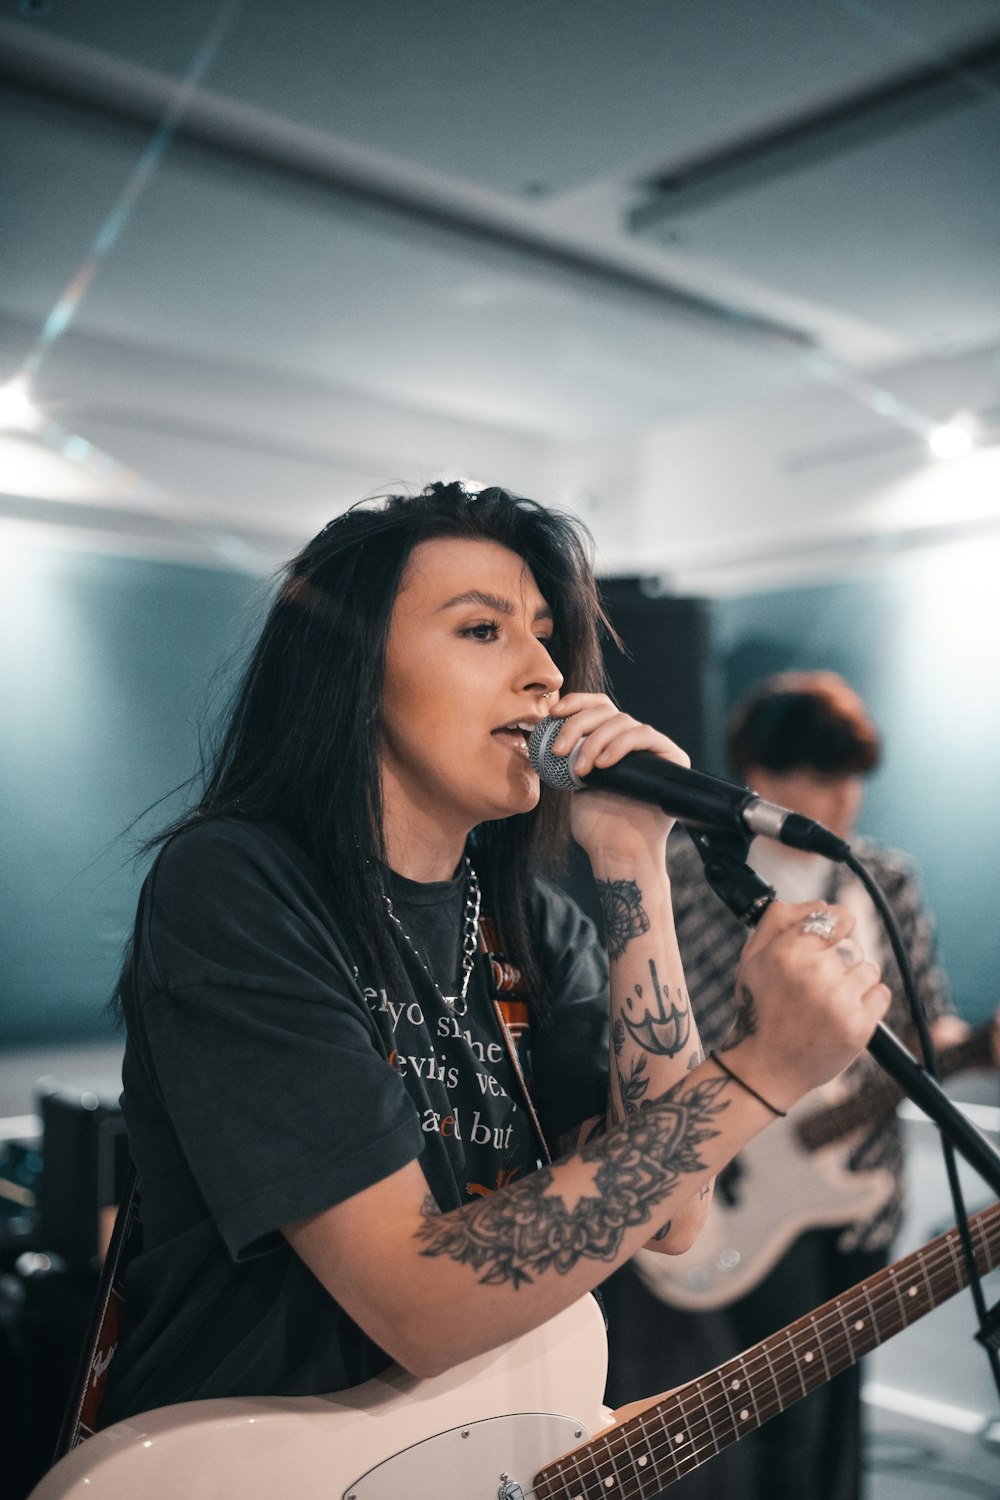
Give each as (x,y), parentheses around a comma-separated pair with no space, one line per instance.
(745,1024)
(515,1235)
(624,918)
(657,1029)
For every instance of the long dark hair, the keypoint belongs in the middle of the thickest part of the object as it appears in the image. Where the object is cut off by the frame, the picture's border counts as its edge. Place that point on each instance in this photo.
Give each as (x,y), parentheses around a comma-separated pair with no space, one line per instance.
(300,743)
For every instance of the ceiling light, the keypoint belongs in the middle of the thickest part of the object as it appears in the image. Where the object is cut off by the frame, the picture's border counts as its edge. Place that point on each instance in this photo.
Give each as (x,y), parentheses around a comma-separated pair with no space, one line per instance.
(15,408)
(950,440)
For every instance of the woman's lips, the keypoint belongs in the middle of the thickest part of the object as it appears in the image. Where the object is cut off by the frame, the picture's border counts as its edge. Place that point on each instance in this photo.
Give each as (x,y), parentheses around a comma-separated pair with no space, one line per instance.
(515,739)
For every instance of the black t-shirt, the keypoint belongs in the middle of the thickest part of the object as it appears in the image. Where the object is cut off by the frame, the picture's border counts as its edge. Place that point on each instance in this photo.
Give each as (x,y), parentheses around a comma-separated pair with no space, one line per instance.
(265,1080)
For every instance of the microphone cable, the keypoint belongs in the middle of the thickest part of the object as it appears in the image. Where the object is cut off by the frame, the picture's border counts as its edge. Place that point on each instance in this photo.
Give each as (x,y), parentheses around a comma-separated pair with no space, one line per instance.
(747,896)
(987,1331)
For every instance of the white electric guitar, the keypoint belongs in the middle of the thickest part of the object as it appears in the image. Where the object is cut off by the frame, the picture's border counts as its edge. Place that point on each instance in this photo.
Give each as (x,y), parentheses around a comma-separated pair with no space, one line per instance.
(793,1177)
(524,1421)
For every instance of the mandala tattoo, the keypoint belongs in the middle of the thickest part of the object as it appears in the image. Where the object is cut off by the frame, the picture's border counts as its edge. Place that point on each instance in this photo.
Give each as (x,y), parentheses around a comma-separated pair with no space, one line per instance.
(745,1024)
(529,1228)
(658,1030)
(624,918)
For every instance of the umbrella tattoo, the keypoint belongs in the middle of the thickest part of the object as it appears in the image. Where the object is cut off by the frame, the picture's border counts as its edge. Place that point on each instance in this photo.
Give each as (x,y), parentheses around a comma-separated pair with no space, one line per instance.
(661,1031)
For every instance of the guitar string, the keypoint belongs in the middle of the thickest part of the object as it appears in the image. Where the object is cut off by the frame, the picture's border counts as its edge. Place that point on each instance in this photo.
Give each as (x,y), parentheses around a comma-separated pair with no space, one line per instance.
(694,1432)
(889,1294)
(717,1403)
(778,1370)
(692,1457)
(791,1362)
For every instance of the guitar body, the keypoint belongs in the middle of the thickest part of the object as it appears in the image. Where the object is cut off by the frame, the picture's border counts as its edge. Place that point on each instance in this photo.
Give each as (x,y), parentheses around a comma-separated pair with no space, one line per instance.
(781,1191)
(522,1423)
(508,1412)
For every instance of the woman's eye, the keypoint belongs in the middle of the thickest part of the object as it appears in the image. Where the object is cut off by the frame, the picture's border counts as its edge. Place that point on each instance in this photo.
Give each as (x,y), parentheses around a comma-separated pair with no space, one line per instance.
(486,630)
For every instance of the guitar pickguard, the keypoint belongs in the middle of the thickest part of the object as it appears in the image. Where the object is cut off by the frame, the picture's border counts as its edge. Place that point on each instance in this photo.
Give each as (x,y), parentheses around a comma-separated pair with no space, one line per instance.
(478,1461)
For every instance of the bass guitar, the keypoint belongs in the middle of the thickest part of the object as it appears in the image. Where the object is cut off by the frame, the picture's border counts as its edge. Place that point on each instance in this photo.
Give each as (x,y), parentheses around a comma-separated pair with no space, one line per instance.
(792,1178)
(523,1421)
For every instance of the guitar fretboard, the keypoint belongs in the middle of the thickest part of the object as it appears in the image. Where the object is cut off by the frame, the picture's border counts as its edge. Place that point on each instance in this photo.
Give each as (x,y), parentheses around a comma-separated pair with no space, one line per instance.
(646,1453)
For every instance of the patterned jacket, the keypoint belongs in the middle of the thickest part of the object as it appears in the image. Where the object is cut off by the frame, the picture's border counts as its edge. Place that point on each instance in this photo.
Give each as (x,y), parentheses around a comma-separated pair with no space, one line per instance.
(711,941)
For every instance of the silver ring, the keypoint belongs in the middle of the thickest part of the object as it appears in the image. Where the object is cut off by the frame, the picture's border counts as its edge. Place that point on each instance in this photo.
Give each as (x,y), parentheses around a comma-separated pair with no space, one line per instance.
(820,924)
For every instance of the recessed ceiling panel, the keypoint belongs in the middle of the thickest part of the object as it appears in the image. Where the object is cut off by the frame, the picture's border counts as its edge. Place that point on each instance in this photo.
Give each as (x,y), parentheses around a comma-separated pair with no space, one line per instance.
(901,230)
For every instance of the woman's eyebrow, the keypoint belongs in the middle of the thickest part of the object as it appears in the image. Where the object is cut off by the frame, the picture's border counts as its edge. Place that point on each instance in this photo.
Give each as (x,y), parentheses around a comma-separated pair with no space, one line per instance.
(496,602)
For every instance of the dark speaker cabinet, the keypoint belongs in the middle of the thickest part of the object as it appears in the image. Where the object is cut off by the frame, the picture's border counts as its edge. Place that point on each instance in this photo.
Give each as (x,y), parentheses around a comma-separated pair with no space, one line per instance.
(667,676)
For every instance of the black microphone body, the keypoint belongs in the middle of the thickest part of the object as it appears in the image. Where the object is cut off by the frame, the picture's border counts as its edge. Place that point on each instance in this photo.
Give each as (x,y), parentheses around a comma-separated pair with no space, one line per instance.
(694,798)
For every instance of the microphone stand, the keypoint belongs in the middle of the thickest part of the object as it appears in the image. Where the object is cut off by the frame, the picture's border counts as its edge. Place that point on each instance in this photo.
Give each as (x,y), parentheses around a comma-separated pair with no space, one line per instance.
(925,1091)
(724,856)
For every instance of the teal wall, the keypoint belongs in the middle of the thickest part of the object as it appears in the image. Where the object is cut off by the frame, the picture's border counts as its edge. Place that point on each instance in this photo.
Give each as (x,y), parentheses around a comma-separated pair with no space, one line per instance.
(921,642)
(106,665)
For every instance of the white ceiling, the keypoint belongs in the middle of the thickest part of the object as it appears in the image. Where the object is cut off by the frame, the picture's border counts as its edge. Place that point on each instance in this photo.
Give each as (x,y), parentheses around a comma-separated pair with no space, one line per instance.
(705,271)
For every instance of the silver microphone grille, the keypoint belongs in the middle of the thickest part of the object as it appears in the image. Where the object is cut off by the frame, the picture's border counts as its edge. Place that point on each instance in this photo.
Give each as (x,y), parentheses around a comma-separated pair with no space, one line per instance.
(554,770)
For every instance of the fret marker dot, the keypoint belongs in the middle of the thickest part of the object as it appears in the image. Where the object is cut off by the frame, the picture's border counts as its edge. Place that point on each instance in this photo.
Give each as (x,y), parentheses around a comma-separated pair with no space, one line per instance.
(609,1484)
(912,1292)
(736,1385)
(809,1356)
(744,1414)
(643,1460)
(679,1438)
(860,1323)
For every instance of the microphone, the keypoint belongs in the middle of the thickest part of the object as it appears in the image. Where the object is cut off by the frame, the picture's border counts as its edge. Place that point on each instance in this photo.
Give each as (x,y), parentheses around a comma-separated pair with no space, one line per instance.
(697,800)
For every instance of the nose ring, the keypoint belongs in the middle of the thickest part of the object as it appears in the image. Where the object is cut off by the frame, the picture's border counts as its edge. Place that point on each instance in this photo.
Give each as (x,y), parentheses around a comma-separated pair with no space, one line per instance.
(548,694)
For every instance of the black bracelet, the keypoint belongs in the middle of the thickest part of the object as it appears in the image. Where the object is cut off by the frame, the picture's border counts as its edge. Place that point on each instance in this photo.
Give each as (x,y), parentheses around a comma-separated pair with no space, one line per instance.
(780,1113)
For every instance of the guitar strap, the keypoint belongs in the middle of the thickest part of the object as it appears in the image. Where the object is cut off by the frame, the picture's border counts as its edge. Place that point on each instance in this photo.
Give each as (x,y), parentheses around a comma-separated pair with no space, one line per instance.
(513,1017)
(104,1328)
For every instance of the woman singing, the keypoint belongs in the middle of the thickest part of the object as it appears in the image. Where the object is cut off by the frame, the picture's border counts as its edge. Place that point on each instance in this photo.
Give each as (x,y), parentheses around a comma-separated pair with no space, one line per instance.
(346,1156)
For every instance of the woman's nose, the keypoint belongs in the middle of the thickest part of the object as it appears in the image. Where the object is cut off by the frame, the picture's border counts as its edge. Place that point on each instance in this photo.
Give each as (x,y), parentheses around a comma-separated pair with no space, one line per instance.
(543,675)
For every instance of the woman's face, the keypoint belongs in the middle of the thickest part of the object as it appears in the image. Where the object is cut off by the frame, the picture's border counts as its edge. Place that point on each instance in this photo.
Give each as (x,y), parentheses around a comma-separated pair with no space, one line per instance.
(467,665)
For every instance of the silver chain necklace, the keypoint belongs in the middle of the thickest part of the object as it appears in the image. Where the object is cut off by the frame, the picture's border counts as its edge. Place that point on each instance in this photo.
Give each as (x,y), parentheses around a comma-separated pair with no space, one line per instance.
(470,937)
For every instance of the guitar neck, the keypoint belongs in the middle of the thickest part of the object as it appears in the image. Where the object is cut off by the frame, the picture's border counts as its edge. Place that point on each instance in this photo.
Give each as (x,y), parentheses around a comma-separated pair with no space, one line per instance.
(638,1458)
(883,1094)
